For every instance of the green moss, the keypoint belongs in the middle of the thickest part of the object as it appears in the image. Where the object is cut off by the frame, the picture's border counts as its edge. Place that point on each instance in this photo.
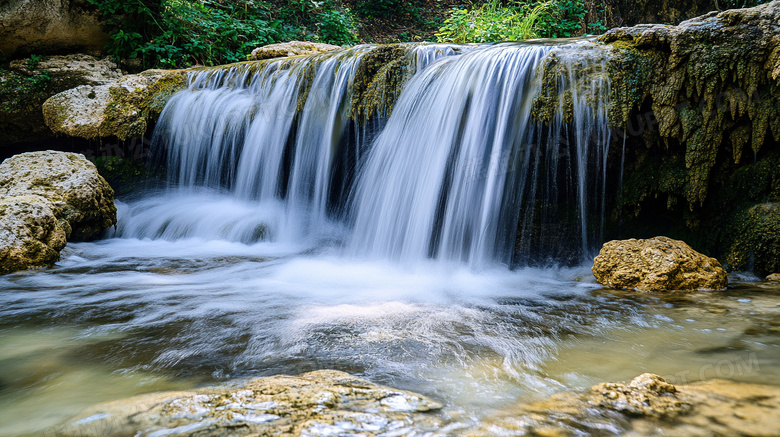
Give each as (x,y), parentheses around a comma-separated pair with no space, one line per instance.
(379,78)
(756,246)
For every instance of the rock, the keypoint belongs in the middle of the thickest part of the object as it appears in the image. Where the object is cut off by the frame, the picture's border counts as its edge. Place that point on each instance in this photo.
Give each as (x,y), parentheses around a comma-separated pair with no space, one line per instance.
(123,108)
(46,198)
(292,48)
(30,233)
(49,27)
(29,82)
(773,277)
(657,264)
(82,199)
(648,405)
(324,402)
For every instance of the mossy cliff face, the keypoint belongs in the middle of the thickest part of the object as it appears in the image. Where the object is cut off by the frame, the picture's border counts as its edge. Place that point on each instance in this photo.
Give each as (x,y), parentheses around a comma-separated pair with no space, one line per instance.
(699,105)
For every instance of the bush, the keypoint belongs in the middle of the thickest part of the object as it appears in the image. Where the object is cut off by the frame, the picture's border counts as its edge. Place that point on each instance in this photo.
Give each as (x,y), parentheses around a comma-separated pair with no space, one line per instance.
(492,22)
(337,27)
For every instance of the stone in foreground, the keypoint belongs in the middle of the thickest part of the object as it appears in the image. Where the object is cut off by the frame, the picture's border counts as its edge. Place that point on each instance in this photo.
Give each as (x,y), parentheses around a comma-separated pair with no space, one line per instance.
(46,198)
(324,402)
(648,405)
(292,48)
(657,264)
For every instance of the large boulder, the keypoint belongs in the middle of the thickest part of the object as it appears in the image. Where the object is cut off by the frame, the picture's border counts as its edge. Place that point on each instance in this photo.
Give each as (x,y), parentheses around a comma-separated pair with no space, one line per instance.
(324,402)
(292,48)
(123,108)
(49,27)
(27,83)
(46,197)
(648,405)
(657,264)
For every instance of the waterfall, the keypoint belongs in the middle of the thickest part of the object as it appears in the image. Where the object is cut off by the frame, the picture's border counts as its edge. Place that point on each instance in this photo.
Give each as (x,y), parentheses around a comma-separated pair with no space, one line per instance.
(471,154)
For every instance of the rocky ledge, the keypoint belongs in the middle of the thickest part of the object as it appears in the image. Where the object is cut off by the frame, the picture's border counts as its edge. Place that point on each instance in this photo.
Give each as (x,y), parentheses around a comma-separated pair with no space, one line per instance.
(657,264)
(48,197)
(324,402)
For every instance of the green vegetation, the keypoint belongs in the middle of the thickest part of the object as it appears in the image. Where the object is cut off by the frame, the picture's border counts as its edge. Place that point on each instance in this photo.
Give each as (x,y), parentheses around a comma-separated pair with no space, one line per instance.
(517,20)
(181,33)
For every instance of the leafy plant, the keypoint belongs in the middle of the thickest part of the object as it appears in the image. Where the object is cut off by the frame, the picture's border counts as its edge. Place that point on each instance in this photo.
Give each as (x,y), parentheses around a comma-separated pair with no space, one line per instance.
(337,27)
(493,22)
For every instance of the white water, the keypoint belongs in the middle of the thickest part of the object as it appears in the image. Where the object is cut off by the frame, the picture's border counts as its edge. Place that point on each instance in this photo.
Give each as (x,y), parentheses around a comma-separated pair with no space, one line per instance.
(454,174)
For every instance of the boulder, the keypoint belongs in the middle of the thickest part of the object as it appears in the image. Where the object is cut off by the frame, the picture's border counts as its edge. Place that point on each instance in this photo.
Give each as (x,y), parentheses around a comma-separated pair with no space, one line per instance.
(46,198)
(292,48)
(123,108)
(773,277)
(49,27)
(30,233)
(324,402)
(648,405)
(657,264)
(27,83)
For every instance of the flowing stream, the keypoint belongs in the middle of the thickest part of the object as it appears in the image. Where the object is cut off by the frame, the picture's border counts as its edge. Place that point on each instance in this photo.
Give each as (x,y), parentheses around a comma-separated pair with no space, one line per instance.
(406,248)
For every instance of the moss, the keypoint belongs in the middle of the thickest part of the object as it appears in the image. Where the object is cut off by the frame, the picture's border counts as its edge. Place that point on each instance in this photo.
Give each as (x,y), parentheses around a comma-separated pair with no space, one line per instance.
(378,81)
(757,243)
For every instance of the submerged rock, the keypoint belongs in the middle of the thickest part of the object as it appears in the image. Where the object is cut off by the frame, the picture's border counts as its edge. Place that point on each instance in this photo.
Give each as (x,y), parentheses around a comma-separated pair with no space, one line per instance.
(657,264)
(292,48)
(46,197)
(646,406)
(123,108)
(324,402)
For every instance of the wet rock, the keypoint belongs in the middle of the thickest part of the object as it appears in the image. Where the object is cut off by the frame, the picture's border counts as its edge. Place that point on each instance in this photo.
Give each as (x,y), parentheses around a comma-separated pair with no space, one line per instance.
(38,26)
(123,108)
(46,198)
(773,277)
(646,406)
(27,83)
(657,264)
(292,48)
(324,402)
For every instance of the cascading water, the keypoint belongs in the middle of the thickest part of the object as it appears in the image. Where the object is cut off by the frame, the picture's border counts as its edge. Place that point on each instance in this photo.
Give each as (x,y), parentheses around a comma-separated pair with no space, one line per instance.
(462,170)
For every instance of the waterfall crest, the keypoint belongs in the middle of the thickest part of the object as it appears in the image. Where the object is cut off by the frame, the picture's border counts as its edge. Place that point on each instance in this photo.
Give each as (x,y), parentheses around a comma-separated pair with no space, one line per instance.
(476,154)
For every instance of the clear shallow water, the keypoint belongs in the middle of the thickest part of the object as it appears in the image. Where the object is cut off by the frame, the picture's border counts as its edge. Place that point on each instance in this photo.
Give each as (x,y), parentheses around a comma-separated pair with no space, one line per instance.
(126,316)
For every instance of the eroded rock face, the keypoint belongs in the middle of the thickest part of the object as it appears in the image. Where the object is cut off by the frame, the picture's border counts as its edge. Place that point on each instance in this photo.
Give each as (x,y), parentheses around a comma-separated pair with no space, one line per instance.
(324,402)
(46,27)
(657,264)
(46,197)
(122,108)
(292,48)
(646,406)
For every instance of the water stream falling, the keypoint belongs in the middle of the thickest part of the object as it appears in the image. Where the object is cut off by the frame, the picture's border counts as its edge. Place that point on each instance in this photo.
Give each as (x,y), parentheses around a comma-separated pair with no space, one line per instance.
(460,171)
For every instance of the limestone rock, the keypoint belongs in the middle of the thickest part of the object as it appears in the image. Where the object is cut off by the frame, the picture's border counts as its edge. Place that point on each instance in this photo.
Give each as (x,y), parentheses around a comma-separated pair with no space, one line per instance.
(47,27)
(773,277)
(122,108)
(657,264)
(79,196)
(30,233)
(648,405)
(27,83)
(292,48)
(324,402)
